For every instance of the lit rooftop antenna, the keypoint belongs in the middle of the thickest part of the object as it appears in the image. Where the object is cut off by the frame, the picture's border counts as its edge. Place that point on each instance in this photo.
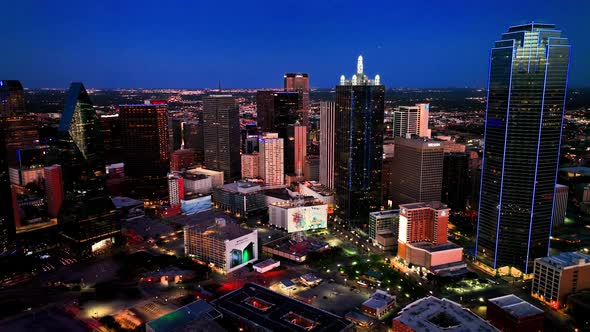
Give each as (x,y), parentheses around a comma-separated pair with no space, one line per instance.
(359,65)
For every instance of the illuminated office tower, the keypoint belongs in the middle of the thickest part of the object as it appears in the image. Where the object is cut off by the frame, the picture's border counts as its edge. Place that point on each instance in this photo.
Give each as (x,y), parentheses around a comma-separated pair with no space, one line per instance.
(411,120)
(12,98)
(221,132)
(182,159)
(525,106)
(54,190)
(21,134)
(327,123)
(295,149)
(80,144)
(270,165)
(110,126)
(359,131)
(145,139)
(417,171)
(298,82)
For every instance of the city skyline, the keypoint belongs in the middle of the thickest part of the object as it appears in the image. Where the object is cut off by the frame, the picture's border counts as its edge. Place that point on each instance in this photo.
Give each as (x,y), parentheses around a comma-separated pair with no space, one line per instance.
(135,46)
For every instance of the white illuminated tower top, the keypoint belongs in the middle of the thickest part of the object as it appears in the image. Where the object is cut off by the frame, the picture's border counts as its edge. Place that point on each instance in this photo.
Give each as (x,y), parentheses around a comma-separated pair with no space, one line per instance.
(360,78)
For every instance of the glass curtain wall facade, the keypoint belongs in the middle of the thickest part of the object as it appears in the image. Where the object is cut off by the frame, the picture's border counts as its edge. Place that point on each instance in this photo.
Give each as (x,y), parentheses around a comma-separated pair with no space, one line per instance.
(526,96)
(358,146)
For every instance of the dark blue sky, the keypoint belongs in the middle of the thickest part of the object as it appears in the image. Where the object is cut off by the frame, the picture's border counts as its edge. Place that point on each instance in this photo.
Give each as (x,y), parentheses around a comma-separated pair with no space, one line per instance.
(188,44)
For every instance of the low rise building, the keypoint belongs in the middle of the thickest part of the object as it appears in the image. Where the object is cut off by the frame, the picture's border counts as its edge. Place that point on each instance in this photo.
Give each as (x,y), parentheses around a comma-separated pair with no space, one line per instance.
(556,277)
(434,314)
(257,308)
(298,215)
(241,198)
(379,304)
(383,226)
(510,313)
(266,265)
(196,316)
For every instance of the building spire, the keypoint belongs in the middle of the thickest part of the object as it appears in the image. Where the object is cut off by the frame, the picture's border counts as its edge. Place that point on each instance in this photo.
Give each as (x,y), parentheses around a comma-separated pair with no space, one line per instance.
(359,65)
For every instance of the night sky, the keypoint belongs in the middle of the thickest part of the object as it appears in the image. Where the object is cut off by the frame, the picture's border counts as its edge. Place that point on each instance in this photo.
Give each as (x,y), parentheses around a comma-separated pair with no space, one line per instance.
(250,44)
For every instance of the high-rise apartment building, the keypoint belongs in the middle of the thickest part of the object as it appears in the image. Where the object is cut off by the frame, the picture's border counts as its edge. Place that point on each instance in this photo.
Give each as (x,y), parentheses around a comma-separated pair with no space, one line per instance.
(411,120)
(327,131)
(417,171)
(270,165)
(145,139)
(359,131)
(175,189)
(221,133)
(250,162)
(12,98)
(295,149)
(525,106)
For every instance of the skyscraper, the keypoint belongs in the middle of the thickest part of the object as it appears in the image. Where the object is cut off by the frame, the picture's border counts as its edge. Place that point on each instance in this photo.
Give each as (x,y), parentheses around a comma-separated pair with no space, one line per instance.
(526,96)
(359,116)
(80,146)
(327,124)
(12,98)
(456,185)
(411,120)
(417,171)
(295,149)
(270,165)
(144,138)
(298,82)
(6,207)
(54,189)
(21,134)
(193,138)
(265,110)
(221,132)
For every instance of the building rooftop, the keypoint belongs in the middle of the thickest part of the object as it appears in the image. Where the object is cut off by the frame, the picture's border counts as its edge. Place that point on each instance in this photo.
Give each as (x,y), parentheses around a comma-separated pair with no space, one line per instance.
(121,202)
(265,263)
(434,314)
(428,246)
(178,319)
(566,259)
(242,187)
(276,312)
(194,176)
(421,205)
(379,299)
(515,306)
(220,229)
(384,213)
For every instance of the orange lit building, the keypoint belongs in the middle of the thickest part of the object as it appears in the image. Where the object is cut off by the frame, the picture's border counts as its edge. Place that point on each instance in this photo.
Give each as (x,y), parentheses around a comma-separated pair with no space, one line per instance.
(182,159)
(422,237)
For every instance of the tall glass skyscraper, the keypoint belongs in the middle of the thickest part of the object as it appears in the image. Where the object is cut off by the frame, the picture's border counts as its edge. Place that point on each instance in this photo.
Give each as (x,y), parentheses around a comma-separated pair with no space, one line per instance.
(360,104)
(80,150)
(526,100)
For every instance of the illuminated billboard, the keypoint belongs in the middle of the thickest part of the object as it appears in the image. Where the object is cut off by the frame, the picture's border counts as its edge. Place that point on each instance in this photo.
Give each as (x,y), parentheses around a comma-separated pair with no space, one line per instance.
(195,205)
(304,218)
